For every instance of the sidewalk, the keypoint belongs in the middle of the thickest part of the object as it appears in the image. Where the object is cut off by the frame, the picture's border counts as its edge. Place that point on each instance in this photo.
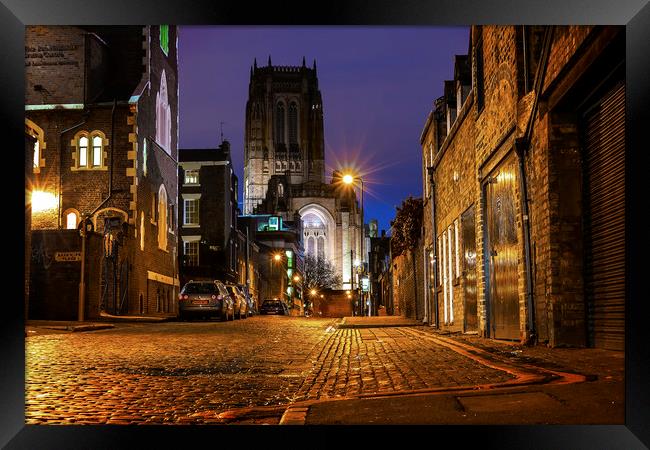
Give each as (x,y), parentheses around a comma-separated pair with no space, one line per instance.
(554,386)
(105,321)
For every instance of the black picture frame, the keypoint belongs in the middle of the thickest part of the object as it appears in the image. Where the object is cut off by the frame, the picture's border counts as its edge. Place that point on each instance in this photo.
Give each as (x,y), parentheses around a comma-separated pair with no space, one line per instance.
(634,14)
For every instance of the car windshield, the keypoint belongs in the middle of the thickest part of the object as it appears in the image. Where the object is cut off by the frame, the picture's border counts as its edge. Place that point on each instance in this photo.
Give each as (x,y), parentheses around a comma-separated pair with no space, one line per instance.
(199,288)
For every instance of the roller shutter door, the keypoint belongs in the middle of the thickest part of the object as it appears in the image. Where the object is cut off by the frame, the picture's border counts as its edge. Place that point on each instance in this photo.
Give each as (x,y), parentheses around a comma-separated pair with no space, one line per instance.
(604,188)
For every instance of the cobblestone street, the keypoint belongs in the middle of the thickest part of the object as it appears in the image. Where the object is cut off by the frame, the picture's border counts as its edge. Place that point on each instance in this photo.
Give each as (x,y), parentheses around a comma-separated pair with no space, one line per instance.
(190,372)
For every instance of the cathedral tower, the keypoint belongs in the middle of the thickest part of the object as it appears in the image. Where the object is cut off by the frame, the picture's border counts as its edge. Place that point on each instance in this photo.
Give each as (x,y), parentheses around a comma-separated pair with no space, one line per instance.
(284,129)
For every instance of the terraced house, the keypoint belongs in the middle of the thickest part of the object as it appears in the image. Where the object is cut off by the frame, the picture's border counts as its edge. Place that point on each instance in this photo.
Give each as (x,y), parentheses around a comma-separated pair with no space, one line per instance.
(523,170)
(101,105)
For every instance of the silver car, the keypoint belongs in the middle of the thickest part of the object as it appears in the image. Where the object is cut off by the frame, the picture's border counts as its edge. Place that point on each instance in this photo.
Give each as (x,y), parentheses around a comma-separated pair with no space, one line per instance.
(205,299)
(241,306)
(249,300)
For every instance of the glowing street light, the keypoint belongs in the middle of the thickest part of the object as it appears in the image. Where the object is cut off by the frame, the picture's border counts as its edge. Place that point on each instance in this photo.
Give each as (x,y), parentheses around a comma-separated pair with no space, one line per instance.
(313,292)
(277,257)
(348,179)
(296,278)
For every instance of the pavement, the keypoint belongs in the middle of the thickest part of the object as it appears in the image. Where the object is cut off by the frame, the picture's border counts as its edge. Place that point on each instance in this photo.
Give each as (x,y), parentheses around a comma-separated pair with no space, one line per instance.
(473,380)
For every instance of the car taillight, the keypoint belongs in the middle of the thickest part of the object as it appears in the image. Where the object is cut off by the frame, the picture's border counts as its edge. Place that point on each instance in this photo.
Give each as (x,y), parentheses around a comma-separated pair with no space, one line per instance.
(214,297)
(182,297)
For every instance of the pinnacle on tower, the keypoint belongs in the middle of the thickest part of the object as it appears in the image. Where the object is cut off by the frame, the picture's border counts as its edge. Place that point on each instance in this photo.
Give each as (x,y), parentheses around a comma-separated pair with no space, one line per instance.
(255,63)
(314,64)
(269,60)
(303,61)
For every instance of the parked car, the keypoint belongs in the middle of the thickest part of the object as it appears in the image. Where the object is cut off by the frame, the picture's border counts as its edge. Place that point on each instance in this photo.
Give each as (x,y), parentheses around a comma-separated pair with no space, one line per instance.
(252,309)
(274,306)
(205,299)
(241,306)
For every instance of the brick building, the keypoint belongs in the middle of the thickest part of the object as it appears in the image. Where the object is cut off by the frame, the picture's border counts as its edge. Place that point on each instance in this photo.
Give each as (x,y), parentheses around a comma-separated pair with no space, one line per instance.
(207,214)
(524,188)
(102,104)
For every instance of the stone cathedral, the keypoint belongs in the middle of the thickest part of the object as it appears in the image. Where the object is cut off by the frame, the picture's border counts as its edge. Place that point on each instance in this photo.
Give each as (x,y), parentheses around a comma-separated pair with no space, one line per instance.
(284,164)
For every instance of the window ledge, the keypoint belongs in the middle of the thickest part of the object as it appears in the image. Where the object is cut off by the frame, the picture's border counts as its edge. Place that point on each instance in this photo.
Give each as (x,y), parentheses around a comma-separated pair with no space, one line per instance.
(191,225)
(88,169)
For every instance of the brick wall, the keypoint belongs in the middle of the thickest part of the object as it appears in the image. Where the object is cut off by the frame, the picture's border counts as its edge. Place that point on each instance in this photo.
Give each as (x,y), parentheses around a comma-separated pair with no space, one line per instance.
(408,288)
(335,303)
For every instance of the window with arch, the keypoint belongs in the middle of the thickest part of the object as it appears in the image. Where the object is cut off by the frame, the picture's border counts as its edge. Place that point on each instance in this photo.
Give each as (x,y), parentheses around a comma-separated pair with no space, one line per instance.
(89,150)
(279,123)
(71,219)
(321,247)
(163,116)
(162,218)
(142,230)
(293,123)
(39,144)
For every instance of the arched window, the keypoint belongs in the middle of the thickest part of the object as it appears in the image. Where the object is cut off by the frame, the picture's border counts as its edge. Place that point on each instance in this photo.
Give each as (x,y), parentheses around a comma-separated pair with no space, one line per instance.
(163,116)
(293,123)
(142,230)
(162,218)
(279,123)
(71,219)
(310,246)
(321,247)
(83,151)
(39,144)
(89,150)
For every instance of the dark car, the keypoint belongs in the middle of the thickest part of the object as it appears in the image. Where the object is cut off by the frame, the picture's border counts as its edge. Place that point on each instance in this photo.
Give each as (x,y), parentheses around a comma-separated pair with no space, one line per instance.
(205,299)
(274,306)
(241,306)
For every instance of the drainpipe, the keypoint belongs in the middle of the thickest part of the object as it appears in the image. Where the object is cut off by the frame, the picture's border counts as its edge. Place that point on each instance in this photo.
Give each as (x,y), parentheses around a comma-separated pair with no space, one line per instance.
(436,321)
(522,145)
(110,167)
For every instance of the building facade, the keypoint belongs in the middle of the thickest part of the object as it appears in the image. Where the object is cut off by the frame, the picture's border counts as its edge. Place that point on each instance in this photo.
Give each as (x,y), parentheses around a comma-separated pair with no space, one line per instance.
(284,165)
(102,105)
(207,214)
(525,188)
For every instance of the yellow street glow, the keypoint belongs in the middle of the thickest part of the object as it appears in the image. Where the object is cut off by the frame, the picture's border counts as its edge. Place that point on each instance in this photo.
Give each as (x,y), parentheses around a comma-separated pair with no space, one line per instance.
(313,292)
(348,179)
(277,257)
(42,201)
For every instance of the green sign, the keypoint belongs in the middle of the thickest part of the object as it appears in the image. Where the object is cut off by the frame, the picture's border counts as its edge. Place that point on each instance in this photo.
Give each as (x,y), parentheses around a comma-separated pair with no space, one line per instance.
(164,38)
(274,223)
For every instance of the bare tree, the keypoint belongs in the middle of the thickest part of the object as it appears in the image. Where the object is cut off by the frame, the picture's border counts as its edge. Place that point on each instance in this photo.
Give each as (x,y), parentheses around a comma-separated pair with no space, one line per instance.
(319,273)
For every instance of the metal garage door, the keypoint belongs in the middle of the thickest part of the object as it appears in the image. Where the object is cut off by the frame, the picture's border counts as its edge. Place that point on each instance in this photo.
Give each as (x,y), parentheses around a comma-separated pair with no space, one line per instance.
(604,170)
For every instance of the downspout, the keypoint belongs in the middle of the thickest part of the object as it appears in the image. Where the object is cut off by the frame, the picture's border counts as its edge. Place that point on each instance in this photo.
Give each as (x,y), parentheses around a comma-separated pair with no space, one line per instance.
(110,168)
(436,321)
(522,145)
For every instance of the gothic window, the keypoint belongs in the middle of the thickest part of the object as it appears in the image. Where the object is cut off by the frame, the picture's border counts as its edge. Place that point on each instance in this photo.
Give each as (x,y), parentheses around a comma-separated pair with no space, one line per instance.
(279,123)
(293,123)
(142,230)
(89,150)
(163,116)
(280,189)
(310,245)
(162,218)
(39,145)
(278,166)
(321,247)
(293,166)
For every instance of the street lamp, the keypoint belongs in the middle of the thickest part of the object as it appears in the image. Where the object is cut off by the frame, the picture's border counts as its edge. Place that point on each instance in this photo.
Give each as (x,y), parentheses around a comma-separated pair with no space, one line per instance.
(349,180)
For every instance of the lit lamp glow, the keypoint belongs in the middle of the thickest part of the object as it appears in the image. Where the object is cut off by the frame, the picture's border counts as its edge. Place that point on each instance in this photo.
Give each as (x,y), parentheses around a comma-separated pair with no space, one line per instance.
(42,201)
(348,179)
(313,292)
(277,257)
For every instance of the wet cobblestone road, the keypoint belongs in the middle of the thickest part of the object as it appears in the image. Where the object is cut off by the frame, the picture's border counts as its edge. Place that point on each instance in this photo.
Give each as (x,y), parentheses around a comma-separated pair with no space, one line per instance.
(188,372)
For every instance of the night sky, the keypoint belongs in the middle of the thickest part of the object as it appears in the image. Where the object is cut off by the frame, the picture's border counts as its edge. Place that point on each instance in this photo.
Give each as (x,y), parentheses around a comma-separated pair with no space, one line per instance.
(378,85)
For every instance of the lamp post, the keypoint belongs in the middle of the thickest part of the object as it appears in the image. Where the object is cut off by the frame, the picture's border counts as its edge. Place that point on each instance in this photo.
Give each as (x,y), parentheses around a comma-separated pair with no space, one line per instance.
(349,180)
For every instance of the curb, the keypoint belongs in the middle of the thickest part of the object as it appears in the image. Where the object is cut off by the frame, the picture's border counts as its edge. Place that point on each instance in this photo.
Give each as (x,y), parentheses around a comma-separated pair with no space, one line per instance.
(77,328)
(294,415)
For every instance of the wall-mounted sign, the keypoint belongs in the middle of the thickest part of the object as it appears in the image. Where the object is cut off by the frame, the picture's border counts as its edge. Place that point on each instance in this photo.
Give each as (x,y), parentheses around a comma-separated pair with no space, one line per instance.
(274,223)
(67,256)
(365,284)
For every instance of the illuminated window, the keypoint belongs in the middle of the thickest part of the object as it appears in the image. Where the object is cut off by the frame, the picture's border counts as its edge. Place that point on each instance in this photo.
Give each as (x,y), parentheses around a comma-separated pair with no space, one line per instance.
(37,133)
(162,218)
(37,154)
(164,38)
(97,151)
(89,150)
(83,151)
(191,251)
(163,116)
(71,220)
(192,176)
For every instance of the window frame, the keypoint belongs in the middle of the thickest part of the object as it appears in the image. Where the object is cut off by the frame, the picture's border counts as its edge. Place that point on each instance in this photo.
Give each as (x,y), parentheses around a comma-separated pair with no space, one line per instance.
(88,151)
(196,211)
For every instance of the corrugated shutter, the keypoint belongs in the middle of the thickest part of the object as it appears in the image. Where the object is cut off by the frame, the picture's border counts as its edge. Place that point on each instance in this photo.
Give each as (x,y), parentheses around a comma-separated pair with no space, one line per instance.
(604,169)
